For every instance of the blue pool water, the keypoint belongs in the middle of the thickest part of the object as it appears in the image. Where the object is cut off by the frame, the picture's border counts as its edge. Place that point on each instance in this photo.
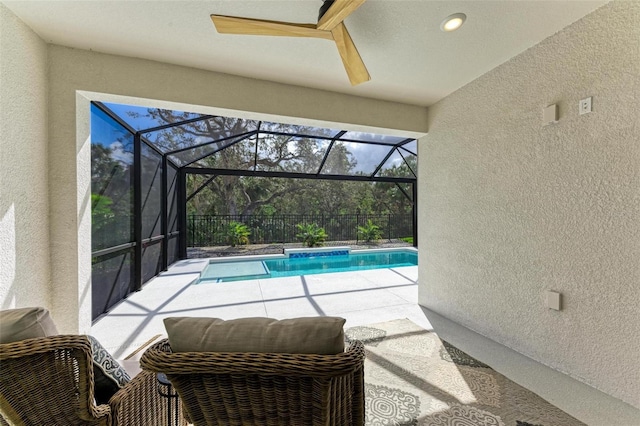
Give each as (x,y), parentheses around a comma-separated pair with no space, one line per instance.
(289,267)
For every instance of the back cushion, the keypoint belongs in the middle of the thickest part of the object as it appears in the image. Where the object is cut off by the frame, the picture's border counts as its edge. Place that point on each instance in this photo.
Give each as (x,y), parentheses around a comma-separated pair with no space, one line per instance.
(317,335)
(108,376)
(25,323)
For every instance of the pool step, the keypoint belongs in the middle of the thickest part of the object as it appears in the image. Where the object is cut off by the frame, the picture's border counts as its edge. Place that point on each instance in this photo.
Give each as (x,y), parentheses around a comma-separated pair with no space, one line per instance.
(221,270)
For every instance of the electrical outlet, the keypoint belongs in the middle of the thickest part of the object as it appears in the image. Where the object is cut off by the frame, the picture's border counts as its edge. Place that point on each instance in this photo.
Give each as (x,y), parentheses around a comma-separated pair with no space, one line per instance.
(585,106)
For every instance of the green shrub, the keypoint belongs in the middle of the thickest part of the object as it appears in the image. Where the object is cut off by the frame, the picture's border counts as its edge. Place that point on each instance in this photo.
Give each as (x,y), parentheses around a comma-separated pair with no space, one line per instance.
(369,232)
(311,234)
(407,239)
(237,234)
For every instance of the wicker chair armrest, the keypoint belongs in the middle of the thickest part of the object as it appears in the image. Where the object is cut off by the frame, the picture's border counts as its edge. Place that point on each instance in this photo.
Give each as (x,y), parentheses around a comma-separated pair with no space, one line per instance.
(160,358)
(139,403)
(64,357)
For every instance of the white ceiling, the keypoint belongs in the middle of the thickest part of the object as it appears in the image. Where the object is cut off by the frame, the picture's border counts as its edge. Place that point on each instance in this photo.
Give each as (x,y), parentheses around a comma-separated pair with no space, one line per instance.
(410,60)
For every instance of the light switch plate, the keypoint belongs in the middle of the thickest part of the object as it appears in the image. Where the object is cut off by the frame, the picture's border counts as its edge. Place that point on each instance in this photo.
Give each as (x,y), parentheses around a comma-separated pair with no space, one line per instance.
(550,114)
(554,300)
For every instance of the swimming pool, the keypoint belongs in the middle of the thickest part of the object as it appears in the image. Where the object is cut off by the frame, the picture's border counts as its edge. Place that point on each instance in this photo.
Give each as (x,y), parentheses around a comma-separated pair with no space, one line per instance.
(309,264)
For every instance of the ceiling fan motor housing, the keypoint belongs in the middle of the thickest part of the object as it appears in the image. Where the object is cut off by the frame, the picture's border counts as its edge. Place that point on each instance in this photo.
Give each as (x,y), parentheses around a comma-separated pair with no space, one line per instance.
(325,6)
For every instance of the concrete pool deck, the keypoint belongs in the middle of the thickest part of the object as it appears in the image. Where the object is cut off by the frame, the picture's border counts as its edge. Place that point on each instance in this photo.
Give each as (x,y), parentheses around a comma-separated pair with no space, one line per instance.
(362,297)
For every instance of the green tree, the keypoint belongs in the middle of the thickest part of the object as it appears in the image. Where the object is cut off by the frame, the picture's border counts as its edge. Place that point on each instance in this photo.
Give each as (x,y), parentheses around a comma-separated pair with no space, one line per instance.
(101,213)
(246,195)
(111,195)
(243,195)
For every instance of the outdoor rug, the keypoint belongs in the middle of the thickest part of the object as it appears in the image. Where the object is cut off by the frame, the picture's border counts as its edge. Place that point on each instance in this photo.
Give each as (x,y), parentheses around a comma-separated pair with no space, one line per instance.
(412,377)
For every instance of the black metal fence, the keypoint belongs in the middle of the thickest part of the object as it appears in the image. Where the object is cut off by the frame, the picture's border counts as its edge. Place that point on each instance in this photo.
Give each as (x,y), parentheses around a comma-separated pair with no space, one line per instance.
(210,230)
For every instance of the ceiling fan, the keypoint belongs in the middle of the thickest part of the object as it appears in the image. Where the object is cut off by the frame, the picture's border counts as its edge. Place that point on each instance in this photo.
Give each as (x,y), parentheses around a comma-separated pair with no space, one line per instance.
(330,26)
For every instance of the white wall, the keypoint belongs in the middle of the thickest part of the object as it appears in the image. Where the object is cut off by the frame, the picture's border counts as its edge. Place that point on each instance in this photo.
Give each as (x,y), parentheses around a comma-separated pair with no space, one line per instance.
(24,205)
(510,209)
(77,76)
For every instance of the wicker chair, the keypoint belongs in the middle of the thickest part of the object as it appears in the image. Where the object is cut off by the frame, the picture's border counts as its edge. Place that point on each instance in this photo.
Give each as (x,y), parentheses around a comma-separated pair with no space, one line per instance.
(49,381)
(275,389)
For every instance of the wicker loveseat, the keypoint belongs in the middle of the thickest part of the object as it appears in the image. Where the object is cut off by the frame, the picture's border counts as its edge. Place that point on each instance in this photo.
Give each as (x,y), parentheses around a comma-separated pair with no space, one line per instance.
(254,388)
(50,381)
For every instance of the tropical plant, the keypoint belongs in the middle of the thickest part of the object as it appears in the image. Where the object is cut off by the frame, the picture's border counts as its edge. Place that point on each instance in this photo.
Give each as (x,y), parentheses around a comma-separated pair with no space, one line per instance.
(311,234)
(237,234)
(369,232)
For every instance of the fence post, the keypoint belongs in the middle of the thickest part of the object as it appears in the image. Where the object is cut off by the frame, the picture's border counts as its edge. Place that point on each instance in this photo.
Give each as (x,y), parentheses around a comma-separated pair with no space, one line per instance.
(192,243)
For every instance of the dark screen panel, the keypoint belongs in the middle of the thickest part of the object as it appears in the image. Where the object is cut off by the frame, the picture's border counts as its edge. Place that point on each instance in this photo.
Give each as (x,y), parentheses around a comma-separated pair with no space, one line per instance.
(111,182)
(151,260)
(111,280)
(151,192)
(173,249)
(172,198)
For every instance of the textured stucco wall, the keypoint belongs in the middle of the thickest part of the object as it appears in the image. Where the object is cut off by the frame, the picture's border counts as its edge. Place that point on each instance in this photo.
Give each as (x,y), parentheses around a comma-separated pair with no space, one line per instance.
(24,206)
(510,209)
(77,76)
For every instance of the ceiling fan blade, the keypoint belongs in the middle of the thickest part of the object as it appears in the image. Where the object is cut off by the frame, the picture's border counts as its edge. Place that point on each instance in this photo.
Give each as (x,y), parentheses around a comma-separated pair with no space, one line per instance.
(356,70)
(337,13)
(248,26)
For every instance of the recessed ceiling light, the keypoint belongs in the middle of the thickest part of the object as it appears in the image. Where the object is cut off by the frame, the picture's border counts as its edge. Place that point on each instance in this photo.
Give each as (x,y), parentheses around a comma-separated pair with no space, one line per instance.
(453,22)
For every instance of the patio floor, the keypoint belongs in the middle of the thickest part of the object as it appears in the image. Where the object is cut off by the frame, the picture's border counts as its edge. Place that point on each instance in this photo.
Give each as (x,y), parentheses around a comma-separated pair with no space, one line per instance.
(362,297)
